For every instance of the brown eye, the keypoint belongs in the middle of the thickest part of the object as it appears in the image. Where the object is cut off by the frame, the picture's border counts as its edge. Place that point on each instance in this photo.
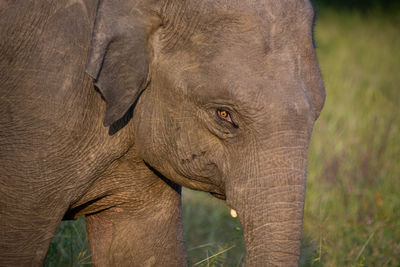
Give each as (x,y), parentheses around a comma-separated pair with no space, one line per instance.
(223,114)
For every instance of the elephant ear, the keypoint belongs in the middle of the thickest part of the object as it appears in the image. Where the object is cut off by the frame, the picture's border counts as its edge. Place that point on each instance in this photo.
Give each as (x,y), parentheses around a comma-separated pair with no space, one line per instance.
(119,56)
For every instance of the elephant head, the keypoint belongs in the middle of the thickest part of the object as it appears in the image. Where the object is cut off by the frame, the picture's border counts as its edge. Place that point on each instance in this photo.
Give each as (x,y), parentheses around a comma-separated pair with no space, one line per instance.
(226,96)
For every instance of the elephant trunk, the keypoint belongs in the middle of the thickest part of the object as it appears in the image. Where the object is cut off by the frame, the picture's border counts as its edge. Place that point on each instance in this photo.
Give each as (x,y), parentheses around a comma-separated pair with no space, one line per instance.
(270,207)
(273,227)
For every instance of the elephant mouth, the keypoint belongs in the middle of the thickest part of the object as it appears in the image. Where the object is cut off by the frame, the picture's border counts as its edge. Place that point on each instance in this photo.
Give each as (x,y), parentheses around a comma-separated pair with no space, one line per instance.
(218,195)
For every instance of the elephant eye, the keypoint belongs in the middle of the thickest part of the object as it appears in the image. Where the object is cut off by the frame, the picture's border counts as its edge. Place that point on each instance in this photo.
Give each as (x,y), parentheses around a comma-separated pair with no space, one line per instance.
(225,115)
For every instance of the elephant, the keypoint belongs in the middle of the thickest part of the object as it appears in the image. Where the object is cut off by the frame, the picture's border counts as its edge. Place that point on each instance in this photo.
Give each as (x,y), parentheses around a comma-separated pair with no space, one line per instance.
(109,107)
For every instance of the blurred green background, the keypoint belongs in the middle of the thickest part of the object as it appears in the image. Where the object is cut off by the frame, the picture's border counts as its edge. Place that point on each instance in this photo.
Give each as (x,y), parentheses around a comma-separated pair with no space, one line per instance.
(352,212)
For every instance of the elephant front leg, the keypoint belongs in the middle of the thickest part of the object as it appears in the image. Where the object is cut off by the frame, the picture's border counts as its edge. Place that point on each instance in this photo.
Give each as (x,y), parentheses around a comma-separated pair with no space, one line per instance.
(139,222)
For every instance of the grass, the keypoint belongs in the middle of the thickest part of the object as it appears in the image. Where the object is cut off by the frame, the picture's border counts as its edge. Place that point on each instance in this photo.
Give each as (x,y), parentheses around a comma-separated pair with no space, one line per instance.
(70,245)
(352,212)
(210,231)
(352,205)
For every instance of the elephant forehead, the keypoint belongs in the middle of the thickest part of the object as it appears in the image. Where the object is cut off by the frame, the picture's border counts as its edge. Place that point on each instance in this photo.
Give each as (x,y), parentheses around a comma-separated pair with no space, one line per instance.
(205,27)
(247,52)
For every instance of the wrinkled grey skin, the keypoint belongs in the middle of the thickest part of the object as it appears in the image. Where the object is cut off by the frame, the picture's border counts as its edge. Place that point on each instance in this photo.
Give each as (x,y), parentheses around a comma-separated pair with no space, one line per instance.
(171,65)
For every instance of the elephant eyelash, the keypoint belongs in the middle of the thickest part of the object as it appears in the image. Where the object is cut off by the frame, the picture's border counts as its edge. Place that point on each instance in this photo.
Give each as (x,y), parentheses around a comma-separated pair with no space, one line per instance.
(226,116)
